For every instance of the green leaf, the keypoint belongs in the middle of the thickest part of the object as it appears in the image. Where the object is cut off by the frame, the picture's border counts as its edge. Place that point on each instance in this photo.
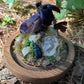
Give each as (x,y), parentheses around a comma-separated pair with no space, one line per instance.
(18,4)
(11,22)
(68,11)
(7,2)
(4,20)
(15,1)
(58,2)
(4,23)
(61,15)
(10,5)
(64,5)
(75,4)
(78,45)
(3,27)
(8,18)
(10,2)
(27,43)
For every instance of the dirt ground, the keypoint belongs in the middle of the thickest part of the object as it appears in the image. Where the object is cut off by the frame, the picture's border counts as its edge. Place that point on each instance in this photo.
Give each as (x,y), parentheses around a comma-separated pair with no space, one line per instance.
(74,76)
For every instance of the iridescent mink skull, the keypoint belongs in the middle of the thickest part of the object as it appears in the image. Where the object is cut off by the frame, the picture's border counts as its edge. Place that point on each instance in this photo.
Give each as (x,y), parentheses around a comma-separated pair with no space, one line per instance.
(41,20)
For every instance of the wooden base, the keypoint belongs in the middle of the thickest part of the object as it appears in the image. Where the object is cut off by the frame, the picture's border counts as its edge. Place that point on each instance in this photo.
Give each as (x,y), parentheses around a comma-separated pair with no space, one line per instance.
(33,74)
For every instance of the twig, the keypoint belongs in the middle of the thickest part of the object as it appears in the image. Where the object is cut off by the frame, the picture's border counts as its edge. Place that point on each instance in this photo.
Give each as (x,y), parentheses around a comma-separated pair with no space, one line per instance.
(2,46)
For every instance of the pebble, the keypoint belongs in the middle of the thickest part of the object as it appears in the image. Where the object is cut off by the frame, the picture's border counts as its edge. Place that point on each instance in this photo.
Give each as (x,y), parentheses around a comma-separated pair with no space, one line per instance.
(5,74)
(58,58)
(23,41)
(25,50)
(34,38)
(45,63)
(18,39)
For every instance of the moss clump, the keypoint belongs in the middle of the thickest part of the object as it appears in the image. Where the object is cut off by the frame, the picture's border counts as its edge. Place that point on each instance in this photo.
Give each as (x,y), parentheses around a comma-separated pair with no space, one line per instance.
(52,58)
(27,55)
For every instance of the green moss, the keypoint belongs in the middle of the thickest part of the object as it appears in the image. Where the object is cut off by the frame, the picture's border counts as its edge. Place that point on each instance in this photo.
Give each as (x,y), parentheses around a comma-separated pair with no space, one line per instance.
(27,43)
(52,58)
(31,44)
(57,47)
(17,37)
(60,40)
(21,50)
(36,60)
(21,46)
(64,46)
(61,50)
(27,37)
(31,49)
(16,50)
(24,60)
(25,57)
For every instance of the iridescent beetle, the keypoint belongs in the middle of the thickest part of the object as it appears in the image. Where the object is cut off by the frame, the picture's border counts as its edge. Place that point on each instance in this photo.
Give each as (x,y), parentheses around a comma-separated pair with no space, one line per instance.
(37,51)
(41,20)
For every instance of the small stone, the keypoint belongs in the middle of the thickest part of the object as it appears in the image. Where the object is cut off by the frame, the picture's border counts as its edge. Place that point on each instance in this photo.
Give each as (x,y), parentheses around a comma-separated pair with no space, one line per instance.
(25,50)
(34,38)
(58,58)
(45,63)
(18,38)
(12,81)
(3,77)
(5,74)
(23,41)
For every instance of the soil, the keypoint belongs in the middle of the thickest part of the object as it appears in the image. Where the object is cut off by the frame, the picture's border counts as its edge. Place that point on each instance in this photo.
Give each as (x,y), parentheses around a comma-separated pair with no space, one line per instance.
(73,76)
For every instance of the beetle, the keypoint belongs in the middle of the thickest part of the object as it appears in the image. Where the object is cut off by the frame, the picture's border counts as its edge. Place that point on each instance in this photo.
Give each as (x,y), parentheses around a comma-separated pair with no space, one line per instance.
(41,20)
(37,51)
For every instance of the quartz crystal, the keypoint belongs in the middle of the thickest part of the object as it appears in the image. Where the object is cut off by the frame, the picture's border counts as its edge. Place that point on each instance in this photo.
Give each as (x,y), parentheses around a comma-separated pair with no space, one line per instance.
(49,45)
